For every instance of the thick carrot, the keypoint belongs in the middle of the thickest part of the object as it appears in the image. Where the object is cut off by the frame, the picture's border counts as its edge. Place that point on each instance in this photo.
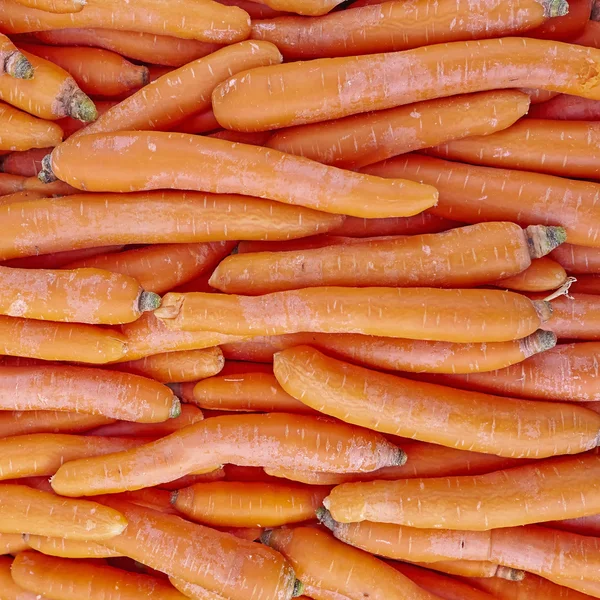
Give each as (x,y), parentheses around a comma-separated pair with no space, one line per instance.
(51,94)
(434,413)
(159,217)
(28,163)
(235,568)
(578,259)
(360,140)
(55,6)
(68,295)
(10,590)
(47,421)
(92,391)
(249,504)
(9,184)
(55,546)
(443,259)
(20,131)
(57,260)
(543,274)
(415,313)
(582,525)
(64,579)
(392,26)
(47,340)
(11,543)
(26,510)
(575,318)
(184,161)
(275,439)
(308,92)
(586,284)
(469,193)
(24,196)
(206,21)
(564,148)
(12,61)
(161,267)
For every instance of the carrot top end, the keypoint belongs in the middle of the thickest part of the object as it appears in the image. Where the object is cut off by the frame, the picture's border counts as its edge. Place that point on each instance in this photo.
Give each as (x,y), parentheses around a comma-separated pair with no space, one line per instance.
(555,8)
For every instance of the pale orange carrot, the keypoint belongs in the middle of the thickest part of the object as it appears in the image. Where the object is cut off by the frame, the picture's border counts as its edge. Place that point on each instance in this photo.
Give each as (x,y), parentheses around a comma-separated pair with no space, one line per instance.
(58,546)
(473,568)
(20,131)
(578,259)
(12,543)
(12,61)
(543,274)
(302,7)
(55,6)
(24,196)
(10,590)
(48,421)
(193,590)
(575,318)
(57,260)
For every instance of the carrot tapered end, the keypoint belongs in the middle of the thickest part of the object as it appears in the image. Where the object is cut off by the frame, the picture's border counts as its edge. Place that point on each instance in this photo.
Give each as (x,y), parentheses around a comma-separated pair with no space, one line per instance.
(510,574)
(17,65)
(148,301)
(325,518)
(175,408)
(298,589)
(542,239)
(46,174)
(82,107)
(539,341)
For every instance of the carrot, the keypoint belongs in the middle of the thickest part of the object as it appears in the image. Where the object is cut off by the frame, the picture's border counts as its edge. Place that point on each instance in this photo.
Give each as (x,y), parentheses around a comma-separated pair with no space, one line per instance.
(564,148)
(543,274)
(578,259)
(27,163)
(55,6)
(92,391)
(154,498)
(469,193)
(13,61)
(96,71)
(308,92)
(55,546)
(47,421)
(587,587)
(153,266)
(56,188)
(207,167)
(302,7)
(567,24)
(11,543)
(51,94)
(434,413)
(193,590)
(249,504)
(47,340)
(343,571)
(217,474)
(415,313)
(57,260)
(205,21)
(568,372)
(255,138)
(424,222)
(10,590)
(569,108)
(575,318)
(160,217)
(26,510)
(145,47)
(20,131)
(64,579)
(24,196)
(235,568)
(286,440)
(583,525)
(201,122)
(70,125)
(254,9)
(537,96)
(9,184)
(586,284)
(435,260)
(389,27)
(473,568)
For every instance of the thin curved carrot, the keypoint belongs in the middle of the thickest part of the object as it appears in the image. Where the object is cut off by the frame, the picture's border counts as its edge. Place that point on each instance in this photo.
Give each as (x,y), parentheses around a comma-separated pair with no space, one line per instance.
(286,440)
(55,6)
(424,222)
(583,525)
(445,260)
(92,391)
(28,163)
(415,313)
(433,413)
(10,590)
(20,131)
(160,217)
(161,267)
(201,122)
(12,543)
(468,193)
(9,184)
(47,421)
(569,108)
(56,546)
(205,21)
(566,25)
(578,259)
(564,148)
(57,260)
(24,196)
(575,318)
(308,92)
(12,61)
(543,274)
(586,284)
(207,167)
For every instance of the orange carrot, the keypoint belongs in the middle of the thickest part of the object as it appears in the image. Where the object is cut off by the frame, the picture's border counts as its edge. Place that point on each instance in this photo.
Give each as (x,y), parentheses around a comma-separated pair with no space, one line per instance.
(433,260)
(586,284)
(51,94)
(11,543)
(56,188)
(575,318)
(57,260)
(26,510)
(302,7)
(424,222)
(220,562)
(201,122)
(416,313)
(388,27)
(153,266)
(12,61)
(154,498)
(64,579)
(207,167)
(193,590)
(309,92)
(592,588)
(28,163)
(10,590)
(67,295)
(55,546)
(434,413)
(542,275)
(569,108)
(20,131)
(578,259)
(206,21)
(473,568)
(398,354)
(249,504)
(92,391)
(160,217)
(55,6)
(47,340)
(9,184)
(469,193)
(286,440)
(254,9)
(24,196)
(47,421)
(567,24)
(564,148)
(359,140)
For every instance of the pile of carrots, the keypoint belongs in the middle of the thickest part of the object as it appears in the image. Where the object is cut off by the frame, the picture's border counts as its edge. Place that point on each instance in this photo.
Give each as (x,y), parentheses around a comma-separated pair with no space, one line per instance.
(299,298)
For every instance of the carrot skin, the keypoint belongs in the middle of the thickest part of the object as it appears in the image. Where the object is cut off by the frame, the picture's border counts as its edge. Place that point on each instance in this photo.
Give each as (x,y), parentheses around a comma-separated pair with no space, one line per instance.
(48,421)
(57,260)
(543,274)
(12,543)
(21,131)
(54,6)
(12,61)
(575,318)
(567,108)
(10,589)
(578,259)
(564,26)
(424,222)
(60,547)
(9,184)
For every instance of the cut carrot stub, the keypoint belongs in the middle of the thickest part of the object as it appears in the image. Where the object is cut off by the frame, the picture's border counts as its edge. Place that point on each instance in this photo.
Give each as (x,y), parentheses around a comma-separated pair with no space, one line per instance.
(294,180)
(578,259)
(54,546)
(543,274)
(304,442)
(93,391)
(12,61)
(20,131)
(575,318)
(416,313)
(47,421)
(446,416)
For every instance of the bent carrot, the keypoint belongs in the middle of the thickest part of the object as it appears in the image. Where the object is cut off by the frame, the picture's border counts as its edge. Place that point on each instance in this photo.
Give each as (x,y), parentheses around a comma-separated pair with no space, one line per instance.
(9,184)
(415,313)
(93,296)
(575,318)
(578,259)
(93,391)
(20,131)
(543,274)
(432,260)
(47,421)
(54,546)
(12,61)
(567,24)
(445,416)
(12,543)
(564,148)
(586,284)
(308,92)
(55,6)
(161,267)
(28,163)
(57,260)
(47,340)
(567,108)
(469,193)
(208,165)
(248,504)
(160,217)
(26,510)
(300,441)
(10,589)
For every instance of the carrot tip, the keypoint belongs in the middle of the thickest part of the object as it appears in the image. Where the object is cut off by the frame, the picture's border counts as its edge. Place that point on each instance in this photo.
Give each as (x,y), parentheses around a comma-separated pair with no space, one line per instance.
(17,65)
(400,458)
(542,239)
(148,301)
(82,107)
(325,518)
(510,574)
(539,341)
(298,589)
(174,496)
(46,174)
(175,408)
(555,8)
